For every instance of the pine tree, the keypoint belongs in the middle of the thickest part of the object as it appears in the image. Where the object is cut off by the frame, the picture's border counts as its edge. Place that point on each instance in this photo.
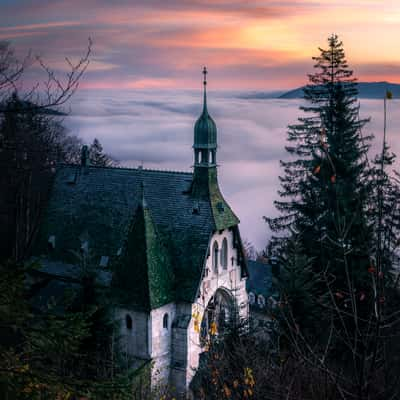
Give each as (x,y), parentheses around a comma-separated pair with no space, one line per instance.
(325,189)
(298,305)
(98,158)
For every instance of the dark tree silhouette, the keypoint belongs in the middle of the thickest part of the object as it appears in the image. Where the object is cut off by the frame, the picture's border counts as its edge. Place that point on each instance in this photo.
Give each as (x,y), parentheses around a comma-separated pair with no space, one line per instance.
(98,158)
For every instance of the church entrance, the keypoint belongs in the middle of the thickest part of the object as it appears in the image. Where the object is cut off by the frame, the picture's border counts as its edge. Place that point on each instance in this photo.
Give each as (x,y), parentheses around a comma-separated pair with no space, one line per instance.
(219,315)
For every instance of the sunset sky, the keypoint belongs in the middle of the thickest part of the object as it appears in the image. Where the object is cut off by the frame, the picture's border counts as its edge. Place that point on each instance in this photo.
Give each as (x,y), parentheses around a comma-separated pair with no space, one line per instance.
(256,45)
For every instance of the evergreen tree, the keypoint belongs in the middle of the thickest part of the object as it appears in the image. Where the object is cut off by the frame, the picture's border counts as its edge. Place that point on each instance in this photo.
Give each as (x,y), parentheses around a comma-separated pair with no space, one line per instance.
(384,211)
(98,158)
(298,304)
(32,141)
(325,189)
(342,210)
(57,339)
(38,350)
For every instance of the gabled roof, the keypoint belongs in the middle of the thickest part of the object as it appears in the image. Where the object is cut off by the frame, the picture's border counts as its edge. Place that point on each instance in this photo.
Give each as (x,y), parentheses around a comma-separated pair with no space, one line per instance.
(97,207)
(143,275)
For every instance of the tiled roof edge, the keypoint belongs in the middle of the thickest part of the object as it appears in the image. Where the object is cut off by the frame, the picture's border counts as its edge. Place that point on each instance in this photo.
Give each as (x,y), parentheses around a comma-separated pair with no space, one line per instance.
(127,168)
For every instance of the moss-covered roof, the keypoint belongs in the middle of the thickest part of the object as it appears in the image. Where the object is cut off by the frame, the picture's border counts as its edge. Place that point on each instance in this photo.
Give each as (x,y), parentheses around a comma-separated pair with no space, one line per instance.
(161,248)
(143,276)
(205,186)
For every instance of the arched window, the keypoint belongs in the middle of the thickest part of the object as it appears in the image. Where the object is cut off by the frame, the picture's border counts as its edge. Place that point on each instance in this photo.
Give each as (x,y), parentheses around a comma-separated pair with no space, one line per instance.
(128,322)
(215,256)
(252,298)
(261,301)
(204,156)
(165,321)
(224,254)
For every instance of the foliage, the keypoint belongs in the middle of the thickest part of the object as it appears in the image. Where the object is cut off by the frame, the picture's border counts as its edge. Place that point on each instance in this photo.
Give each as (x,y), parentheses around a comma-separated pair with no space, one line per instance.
(338,238)
(299,286)
(62,347)
(226,370)
(325,190)
(53,89)
(98,158)
(37,351)
(31,143)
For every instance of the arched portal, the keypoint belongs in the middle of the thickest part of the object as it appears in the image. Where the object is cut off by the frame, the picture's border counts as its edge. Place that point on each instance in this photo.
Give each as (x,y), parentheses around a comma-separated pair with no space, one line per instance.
(219,315)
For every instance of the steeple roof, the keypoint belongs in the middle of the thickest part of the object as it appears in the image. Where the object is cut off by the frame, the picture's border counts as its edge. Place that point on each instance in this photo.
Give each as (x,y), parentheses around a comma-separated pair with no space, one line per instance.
(205,130)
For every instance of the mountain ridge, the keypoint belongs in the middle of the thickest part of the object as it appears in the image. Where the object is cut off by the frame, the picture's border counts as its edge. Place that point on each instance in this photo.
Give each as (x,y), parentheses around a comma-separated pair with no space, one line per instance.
(366,90)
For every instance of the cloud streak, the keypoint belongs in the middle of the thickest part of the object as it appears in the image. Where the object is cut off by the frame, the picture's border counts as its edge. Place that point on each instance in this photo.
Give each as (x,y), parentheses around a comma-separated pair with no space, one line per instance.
(254,45)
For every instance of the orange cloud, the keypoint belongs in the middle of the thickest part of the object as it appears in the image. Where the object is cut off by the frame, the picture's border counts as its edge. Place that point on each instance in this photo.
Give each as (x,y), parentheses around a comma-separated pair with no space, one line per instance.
(259,45)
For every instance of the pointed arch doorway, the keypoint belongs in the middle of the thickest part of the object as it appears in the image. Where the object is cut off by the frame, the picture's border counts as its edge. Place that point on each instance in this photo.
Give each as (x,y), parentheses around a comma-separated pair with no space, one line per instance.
(218,316)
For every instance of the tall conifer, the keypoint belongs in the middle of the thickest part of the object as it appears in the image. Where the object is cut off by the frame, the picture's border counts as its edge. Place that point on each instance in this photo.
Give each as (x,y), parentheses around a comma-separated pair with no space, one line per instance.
(325,185)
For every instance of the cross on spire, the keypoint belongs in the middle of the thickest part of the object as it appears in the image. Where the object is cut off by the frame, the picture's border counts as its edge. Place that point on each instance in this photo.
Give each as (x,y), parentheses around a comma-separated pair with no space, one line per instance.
(205,72)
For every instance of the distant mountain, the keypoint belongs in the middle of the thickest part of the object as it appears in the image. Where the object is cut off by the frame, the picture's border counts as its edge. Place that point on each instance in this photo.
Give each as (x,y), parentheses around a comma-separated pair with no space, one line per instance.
(260,95)
(366,90)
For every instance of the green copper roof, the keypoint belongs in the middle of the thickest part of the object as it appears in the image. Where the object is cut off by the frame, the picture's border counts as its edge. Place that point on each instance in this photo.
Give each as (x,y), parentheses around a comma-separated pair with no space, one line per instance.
(143,275)
(205,130)
(205,186)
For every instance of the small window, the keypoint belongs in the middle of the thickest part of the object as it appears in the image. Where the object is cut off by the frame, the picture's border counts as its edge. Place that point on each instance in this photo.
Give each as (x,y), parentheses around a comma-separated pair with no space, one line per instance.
(261,301)
(224,254)
(252,298)
(165,321)
(215,256)
(128,322)
(52,242)
(104,261)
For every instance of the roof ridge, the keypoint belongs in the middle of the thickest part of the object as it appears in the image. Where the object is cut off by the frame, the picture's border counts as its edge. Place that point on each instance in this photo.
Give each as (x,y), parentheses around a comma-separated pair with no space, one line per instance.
(128,168)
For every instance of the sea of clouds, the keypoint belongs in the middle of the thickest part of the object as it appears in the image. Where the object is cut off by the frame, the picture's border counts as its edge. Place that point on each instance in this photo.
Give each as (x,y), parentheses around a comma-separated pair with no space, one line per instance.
(155,129)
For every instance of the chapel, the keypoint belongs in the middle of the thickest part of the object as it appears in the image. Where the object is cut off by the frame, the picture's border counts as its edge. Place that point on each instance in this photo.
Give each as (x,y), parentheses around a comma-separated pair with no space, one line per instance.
(167,243)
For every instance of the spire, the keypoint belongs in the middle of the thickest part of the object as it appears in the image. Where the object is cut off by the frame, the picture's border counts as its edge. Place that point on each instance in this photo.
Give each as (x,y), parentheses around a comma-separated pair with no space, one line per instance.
(205,134)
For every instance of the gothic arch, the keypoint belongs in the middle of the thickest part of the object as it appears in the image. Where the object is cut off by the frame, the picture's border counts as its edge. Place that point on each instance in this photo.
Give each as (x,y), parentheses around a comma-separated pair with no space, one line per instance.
(220,313)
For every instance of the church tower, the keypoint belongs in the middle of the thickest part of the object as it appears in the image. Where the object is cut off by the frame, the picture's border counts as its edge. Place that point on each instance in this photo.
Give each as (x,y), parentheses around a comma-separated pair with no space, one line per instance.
(205,182)
(205,136)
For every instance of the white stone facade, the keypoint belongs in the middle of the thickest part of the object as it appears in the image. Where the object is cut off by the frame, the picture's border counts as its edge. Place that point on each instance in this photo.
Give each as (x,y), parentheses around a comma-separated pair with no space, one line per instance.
(228,279)
(174,347)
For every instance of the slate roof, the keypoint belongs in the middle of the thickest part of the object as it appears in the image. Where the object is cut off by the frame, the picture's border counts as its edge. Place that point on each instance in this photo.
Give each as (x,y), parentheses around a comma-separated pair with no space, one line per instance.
(260,278)
(98,205)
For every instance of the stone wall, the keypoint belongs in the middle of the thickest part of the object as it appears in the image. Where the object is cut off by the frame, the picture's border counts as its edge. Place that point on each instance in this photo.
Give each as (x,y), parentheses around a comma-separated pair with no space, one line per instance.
(180,348)
(161,342)
(133,339)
